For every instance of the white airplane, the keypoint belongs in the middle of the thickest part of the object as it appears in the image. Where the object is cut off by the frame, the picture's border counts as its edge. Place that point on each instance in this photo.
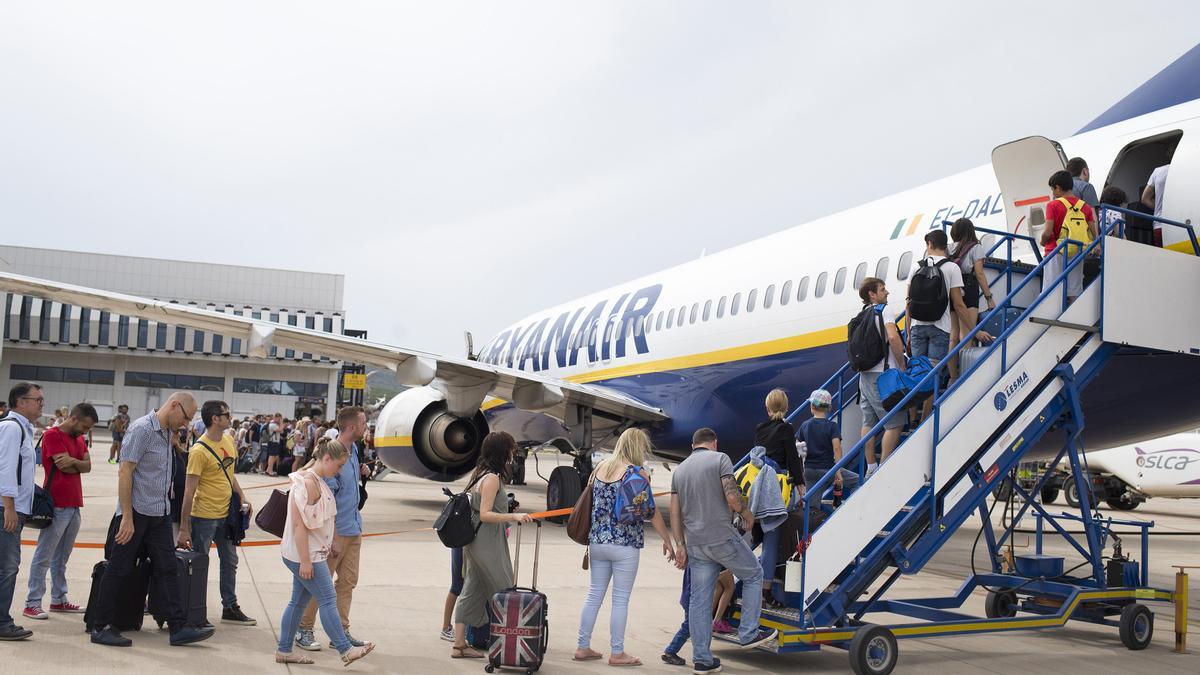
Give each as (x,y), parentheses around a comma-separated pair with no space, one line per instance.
(1167,467)
(702,343)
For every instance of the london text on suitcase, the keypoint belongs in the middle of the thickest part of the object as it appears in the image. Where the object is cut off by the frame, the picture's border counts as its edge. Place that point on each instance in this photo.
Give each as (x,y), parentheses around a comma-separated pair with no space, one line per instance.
(518,619)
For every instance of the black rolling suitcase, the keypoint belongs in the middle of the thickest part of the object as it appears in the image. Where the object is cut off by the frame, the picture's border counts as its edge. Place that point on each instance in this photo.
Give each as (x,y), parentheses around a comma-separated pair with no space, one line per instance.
(193,586)
(518,619)
(131,599)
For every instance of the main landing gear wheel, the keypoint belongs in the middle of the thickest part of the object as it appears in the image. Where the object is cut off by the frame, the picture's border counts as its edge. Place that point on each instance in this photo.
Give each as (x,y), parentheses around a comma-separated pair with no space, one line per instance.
(873,651)
(1003,490)
(1071,493)
(1137,626)
(563,490)
(1000,605)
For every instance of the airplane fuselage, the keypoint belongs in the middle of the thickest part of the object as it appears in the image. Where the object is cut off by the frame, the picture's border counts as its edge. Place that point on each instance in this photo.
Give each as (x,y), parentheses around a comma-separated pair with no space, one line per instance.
(707,339)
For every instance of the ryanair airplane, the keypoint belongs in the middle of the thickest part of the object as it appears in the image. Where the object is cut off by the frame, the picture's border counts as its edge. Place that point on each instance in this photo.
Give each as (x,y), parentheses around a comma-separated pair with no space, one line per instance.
(702,343)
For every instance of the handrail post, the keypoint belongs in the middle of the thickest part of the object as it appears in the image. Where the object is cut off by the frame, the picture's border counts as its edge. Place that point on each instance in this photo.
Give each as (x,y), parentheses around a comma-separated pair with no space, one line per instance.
(937,416)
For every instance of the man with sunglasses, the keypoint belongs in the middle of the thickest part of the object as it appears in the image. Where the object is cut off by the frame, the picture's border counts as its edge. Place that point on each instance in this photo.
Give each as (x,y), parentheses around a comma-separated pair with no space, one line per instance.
(206,502)
(17,463)
(143,522)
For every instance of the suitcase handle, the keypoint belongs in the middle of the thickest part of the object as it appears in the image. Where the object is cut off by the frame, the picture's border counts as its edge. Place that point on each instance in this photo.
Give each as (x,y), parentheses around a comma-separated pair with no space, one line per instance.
(537,549)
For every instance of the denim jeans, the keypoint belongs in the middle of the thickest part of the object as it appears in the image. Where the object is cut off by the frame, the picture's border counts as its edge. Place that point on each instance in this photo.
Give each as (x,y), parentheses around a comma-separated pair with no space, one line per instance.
(53,550)
(620,564)
(10,564)
(681,636)
(769,555)
(705,562)
(929,340)
(204,532)
(320,587)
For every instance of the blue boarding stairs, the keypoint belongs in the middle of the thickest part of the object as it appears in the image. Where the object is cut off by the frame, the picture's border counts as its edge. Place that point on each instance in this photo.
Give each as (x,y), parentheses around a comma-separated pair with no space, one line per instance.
(1020,391)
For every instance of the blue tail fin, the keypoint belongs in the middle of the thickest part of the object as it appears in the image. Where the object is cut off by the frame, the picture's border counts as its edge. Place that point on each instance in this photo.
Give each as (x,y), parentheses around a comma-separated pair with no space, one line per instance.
(1175,84)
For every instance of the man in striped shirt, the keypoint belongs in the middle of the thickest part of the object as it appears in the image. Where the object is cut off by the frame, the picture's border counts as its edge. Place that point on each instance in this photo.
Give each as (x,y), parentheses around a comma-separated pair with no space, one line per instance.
(144,517)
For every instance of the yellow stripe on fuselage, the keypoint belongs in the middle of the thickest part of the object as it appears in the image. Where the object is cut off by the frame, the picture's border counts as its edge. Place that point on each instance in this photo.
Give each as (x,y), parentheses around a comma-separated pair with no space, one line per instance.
(828,336)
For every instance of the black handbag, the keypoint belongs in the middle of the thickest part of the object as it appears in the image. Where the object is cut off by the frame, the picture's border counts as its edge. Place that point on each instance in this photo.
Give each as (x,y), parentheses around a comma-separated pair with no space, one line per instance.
(235,526)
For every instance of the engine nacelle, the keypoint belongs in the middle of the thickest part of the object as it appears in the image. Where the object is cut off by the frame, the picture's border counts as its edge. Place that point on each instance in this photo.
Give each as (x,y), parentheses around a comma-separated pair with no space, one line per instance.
(416,435)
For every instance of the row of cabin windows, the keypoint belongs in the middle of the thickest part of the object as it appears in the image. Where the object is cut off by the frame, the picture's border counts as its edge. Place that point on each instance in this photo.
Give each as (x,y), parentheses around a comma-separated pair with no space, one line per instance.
(731,306)
(789,291)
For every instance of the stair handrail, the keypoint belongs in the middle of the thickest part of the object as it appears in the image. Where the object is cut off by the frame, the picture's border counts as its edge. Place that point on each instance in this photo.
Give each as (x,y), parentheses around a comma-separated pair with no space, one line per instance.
(815,492)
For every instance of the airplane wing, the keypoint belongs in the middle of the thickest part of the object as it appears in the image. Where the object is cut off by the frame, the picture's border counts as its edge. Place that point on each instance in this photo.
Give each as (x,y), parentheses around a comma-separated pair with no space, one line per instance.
(465,383)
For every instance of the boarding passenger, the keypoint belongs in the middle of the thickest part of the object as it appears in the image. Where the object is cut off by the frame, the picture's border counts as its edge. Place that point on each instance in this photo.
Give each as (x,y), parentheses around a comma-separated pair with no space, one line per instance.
(65,455)
(117,426)
(874,293)
(308,543)
(144,514)
(487,561)
(778,436)
(722,596)
(18,460)
(706,497)
(824,441)
(931,338)
(969,256)
(614,548)
(1065,206)
(1155,188)
(343,565)
(210,485)
(1080,175)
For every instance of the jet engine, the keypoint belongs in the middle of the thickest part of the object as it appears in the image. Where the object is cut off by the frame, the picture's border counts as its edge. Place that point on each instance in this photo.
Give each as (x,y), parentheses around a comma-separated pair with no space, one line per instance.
(416,434)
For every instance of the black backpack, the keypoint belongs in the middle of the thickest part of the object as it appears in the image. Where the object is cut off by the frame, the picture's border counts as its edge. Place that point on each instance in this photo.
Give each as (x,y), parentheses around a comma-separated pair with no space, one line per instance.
(927,295)
(865,344)
(454,526)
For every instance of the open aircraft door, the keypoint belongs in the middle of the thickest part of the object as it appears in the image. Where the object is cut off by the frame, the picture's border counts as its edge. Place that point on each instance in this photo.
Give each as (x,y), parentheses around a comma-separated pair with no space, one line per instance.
(1180,201)
(1023,168)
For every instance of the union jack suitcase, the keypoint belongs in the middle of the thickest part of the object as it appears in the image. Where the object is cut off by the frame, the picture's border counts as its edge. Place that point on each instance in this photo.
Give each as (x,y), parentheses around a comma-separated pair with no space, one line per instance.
(518,615)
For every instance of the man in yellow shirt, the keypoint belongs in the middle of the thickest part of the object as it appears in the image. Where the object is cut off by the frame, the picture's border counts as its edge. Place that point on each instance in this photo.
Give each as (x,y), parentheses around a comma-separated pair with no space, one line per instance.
(210,483)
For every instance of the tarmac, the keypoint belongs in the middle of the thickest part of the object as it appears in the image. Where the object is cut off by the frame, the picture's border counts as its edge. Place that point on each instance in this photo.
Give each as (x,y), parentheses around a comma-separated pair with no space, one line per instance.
(405,574)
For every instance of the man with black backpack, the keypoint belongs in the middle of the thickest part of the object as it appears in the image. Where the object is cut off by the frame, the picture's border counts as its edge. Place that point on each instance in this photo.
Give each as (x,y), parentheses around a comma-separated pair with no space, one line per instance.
(935,289)
(875,346)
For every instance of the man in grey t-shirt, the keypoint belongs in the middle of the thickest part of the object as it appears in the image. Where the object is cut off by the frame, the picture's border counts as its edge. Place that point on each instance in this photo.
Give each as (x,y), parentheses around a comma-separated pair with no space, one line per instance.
(705,498)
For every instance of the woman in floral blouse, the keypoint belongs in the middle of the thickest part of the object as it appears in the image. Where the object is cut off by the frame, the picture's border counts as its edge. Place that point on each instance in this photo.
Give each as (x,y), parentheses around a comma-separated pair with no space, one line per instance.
(615,548)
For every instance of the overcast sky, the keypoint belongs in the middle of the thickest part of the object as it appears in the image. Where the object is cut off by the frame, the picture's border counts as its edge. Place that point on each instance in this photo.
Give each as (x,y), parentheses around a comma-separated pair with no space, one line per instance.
(465,164)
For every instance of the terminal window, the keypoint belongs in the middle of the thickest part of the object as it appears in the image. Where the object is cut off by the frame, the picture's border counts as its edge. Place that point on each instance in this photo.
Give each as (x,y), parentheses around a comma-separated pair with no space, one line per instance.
(246,385)
(56,374)
(169,381)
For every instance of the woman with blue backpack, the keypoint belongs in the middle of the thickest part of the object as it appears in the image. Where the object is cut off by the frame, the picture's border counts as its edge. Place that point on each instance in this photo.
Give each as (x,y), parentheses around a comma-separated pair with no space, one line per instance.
(621,503)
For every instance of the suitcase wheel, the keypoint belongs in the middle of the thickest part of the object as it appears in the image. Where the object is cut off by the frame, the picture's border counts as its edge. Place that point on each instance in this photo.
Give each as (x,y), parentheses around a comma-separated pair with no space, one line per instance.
(489,668)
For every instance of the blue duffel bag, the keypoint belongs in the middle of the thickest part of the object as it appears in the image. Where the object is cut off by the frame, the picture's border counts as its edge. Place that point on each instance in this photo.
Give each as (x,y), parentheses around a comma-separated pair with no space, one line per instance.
(895,384)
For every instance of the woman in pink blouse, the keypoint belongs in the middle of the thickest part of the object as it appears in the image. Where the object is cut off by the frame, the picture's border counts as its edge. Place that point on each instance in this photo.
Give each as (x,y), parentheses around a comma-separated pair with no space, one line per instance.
(307,542)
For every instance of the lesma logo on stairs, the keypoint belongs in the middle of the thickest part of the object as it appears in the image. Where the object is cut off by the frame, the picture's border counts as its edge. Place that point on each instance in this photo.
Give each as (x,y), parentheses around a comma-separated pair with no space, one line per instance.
(1001,398)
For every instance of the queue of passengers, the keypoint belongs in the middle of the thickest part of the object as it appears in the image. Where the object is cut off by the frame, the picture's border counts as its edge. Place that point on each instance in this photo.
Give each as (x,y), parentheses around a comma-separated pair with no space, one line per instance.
(168,498)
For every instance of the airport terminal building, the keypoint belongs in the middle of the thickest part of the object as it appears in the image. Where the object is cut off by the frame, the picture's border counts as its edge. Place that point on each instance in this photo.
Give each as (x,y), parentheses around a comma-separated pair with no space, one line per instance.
(81,354)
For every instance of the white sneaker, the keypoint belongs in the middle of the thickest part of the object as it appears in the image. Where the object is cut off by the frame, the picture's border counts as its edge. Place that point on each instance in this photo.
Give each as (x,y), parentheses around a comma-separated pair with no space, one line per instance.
(871,469)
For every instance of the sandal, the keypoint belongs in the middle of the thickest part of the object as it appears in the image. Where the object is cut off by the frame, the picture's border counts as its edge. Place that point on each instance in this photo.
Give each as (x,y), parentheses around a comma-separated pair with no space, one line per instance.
(465,653)
(588,655)
(632,661)
(356,653)
(299,659)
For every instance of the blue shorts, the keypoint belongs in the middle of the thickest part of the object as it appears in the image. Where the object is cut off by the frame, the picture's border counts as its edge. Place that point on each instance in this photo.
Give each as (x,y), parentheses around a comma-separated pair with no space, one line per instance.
(118,436)
(931,341)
